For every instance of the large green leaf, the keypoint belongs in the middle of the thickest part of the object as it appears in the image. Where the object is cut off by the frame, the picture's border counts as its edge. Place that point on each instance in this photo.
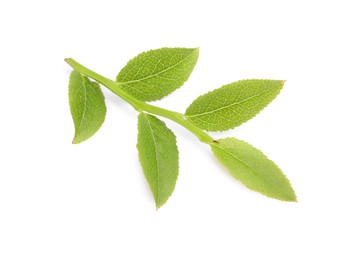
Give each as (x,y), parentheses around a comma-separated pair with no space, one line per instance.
(253,168)
(154,74)
(87,106)
(158,155)
(232,104)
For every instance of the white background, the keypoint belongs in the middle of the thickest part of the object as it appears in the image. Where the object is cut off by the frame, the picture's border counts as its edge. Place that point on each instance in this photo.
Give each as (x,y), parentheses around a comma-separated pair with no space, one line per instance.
(91,201)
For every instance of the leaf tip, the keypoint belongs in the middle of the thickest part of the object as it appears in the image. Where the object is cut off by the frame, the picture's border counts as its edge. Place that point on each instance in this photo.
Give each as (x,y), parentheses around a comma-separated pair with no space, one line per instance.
(294,199)
(159,205)
(196,51)
(291,197)
(77,139)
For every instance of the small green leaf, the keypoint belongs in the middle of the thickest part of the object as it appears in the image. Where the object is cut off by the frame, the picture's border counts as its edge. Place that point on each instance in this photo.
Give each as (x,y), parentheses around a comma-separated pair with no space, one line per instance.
(154,74)
(232,104)
(253,168)
(158,156)
(87,106)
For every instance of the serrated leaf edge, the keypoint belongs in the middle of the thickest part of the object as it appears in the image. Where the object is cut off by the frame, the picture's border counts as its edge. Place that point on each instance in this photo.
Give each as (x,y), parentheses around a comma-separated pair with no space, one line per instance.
(93,83)
(230,128)
(163,71)
(126,83)
(149,124)
(285,177)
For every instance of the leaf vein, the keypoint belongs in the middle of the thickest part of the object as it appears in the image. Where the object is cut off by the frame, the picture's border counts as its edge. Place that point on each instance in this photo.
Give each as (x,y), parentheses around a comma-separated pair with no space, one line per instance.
(160,72)
(227,106)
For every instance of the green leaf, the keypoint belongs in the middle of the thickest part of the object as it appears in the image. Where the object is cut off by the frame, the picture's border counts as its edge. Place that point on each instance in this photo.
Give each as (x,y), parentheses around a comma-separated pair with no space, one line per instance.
(253,168)
(158,156)
(232,104)
(154,74)
(87,106)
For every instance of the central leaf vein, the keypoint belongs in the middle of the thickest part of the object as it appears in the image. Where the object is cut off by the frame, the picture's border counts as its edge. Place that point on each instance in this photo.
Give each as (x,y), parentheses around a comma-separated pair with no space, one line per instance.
(227,106)
(156,74)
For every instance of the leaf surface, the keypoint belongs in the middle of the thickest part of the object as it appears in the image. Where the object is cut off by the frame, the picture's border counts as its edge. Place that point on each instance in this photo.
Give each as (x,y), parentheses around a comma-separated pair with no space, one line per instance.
(253,168)
(87,105)
(232,104)
(158,156)
(154,74)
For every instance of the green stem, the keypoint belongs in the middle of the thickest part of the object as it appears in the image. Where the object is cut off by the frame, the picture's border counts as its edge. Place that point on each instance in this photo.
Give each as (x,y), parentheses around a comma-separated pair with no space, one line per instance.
(139,105)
